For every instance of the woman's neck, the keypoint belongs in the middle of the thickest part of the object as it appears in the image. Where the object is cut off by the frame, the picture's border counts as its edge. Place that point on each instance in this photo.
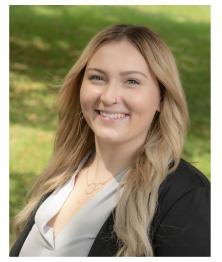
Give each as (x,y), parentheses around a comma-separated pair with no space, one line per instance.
(111,159)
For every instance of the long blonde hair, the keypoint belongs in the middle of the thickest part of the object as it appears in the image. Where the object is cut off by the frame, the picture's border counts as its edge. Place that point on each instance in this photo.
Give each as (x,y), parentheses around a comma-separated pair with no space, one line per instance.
(159,156)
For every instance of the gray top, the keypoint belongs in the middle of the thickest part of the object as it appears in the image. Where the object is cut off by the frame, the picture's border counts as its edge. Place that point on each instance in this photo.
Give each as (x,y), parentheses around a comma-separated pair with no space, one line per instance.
(78,235)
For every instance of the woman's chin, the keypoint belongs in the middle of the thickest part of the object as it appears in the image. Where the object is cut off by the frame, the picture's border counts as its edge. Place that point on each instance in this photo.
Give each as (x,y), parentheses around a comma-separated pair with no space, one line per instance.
(110,139)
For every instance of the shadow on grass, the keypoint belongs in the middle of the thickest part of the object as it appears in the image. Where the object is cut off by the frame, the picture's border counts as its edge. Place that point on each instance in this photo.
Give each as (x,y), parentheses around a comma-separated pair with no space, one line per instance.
(19,186)
(34,107)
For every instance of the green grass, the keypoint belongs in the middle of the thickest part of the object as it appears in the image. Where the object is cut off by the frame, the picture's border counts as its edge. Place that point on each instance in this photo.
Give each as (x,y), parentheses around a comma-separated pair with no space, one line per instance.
(44,43)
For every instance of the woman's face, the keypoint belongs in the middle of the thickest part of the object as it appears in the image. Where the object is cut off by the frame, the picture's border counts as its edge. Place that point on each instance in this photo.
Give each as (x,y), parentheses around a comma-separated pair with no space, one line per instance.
(119,96)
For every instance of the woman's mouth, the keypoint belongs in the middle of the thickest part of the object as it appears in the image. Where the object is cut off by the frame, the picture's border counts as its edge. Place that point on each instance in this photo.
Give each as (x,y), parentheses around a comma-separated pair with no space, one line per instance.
(112,115)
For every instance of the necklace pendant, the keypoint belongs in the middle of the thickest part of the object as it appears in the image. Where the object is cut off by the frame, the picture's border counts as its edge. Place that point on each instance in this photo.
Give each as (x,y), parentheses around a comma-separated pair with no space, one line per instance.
(92,187)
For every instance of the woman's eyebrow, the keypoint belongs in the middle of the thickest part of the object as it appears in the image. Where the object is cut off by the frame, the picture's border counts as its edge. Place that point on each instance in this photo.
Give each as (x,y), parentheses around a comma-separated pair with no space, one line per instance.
(121,73)
(133,72)
(96,69)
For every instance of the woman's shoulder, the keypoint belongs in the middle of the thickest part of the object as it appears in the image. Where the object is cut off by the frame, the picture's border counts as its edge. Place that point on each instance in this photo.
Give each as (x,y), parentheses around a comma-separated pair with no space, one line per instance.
(181,226)
(186,177)
(185,182)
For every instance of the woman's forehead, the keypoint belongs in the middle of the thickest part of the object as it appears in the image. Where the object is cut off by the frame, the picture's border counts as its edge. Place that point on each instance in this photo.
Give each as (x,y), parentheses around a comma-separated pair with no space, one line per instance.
(120,55)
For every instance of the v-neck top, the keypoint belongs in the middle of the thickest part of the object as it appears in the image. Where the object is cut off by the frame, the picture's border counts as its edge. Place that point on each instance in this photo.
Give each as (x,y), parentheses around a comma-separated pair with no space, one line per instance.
(78,235)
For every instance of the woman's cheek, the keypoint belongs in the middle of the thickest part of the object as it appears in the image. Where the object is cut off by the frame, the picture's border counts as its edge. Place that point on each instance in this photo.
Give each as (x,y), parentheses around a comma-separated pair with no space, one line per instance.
(88,100)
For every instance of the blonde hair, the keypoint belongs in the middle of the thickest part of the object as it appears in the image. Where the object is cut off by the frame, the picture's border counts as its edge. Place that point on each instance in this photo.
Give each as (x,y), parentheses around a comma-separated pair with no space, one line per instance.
(159,156)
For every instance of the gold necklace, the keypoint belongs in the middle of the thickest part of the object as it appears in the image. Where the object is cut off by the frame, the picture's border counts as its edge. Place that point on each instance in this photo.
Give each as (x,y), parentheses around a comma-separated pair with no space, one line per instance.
(91,187)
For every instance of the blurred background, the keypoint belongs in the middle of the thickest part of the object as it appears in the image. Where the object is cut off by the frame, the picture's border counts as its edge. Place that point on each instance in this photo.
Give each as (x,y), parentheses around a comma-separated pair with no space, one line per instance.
(45,41)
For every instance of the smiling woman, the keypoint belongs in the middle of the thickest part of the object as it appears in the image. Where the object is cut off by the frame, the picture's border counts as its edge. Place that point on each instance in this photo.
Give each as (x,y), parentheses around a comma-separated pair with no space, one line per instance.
(116,184)
(119,96)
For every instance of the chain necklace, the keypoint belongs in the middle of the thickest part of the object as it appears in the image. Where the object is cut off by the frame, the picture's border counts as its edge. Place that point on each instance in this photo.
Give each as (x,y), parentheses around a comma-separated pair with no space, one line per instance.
(91,187)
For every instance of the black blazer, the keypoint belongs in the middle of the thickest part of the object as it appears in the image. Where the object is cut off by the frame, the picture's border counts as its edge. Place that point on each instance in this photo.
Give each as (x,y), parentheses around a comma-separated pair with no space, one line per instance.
(181,225)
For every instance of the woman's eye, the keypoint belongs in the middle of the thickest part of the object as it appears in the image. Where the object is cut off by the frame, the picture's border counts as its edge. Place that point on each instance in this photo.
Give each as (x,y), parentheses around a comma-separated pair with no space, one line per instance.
(96,77)
(133,82)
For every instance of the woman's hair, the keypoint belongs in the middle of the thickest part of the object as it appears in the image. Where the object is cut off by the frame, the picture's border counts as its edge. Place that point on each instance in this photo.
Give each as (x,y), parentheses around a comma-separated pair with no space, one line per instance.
(159,155)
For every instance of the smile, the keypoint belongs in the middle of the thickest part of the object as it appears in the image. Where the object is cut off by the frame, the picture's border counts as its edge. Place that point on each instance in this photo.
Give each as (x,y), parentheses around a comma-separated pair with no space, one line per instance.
(111,115)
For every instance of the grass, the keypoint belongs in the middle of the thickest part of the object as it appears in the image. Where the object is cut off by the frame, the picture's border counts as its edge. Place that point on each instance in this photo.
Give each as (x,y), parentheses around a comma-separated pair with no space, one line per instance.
(44,43)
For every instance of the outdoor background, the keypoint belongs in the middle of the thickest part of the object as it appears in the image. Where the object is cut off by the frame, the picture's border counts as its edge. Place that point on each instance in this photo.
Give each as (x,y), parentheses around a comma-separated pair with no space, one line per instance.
(45,41)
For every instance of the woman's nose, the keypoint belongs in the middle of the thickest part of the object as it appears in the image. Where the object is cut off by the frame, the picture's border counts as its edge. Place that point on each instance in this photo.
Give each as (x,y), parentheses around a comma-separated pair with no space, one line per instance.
(110,95)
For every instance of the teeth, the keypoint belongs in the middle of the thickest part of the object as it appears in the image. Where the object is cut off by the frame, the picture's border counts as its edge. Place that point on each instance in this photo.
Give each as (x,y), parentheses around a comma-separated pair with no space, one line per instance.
(112,115)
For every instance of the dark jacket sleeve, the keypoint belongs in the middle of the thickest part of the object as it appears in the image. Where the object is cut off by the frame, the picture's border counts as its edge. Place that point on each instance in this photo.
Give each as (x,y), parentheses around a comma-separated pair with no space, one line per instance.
(185,228)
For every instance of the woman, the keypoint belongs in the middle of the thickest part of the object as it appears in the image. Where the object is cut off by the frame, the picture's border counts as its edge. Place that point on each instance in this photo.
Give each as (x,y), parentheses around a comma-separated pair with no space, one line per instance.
(116,185)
